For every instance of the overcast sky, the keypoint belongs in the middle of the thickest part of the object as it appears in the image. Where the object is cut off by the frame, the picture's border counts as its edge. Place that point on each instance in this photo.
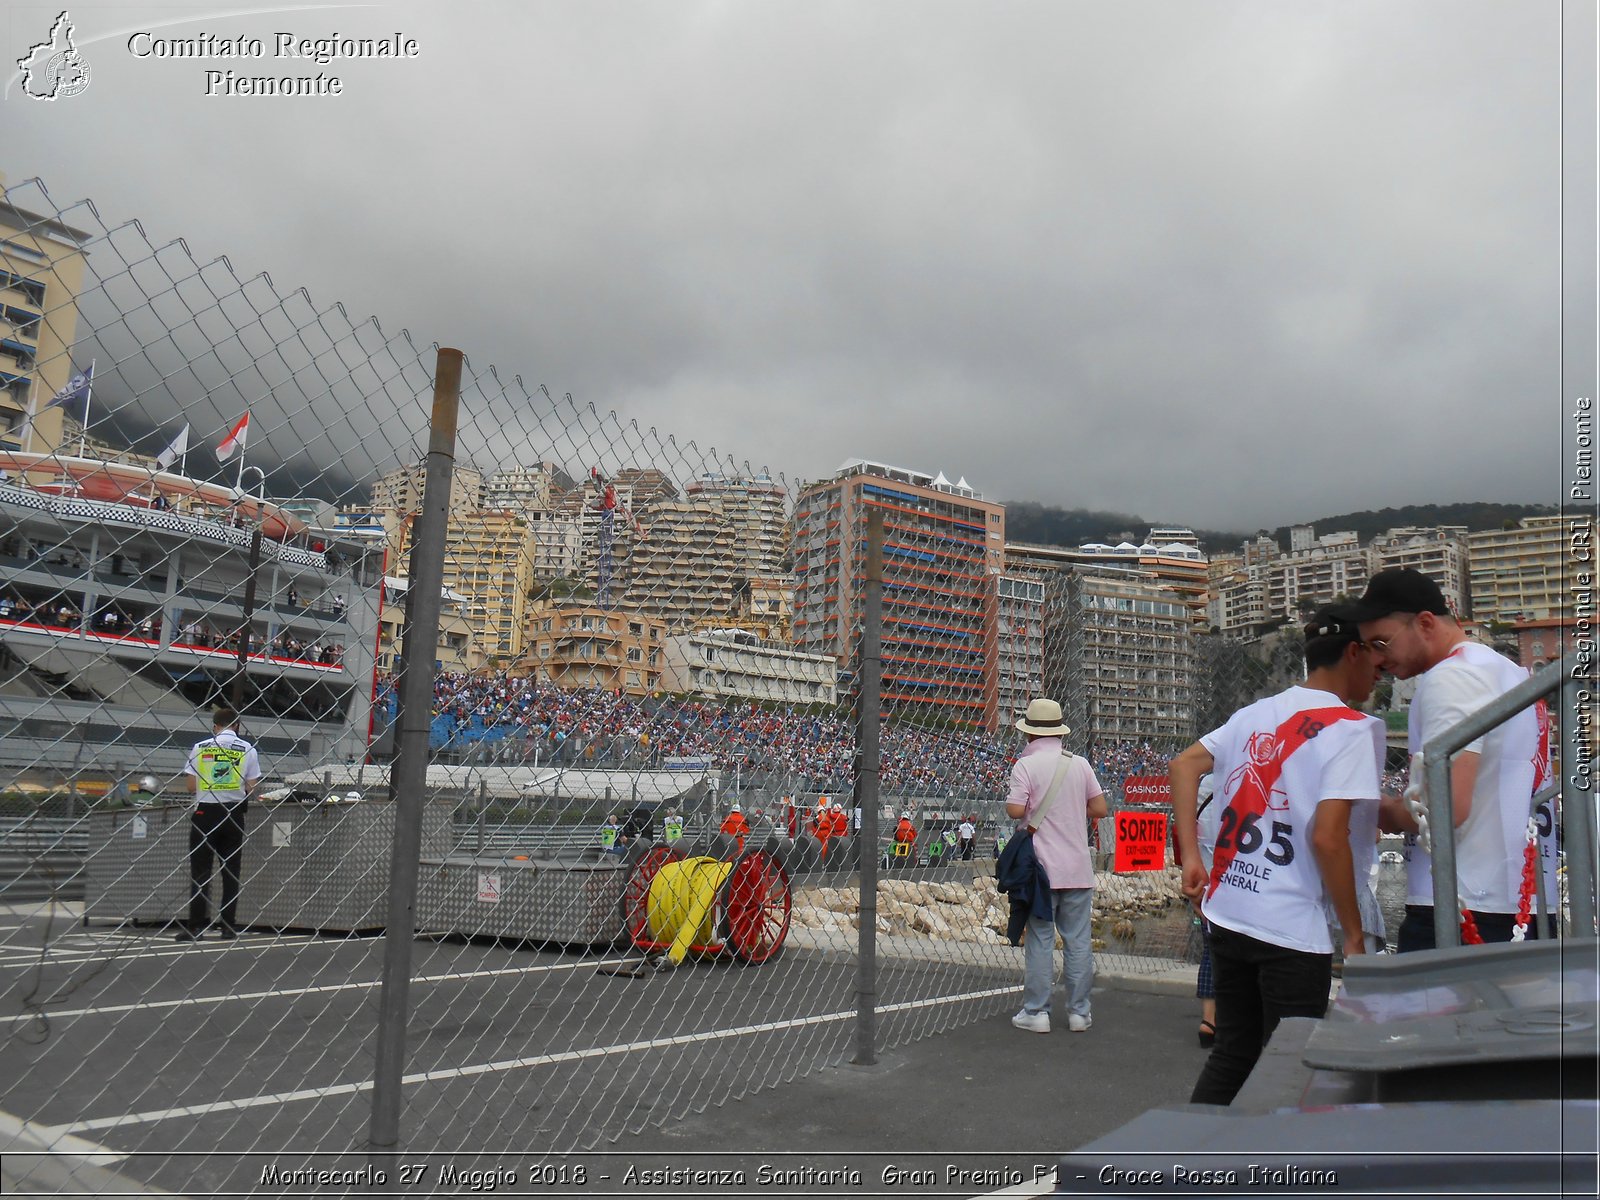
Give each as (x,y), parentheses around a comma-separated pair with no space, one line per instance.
(1223,263)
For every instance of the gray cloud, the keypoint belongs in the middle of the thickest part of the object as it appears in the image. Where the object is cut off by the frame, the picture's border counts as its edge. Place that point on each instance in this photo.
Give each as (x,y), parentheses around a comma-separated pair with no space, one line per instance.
(1230,263)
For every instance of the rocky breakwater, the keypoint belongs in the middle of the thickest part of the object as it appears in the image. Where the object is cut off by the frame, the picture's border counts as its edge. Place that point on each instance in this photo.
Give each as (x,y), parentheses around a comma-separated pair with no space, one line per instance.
(977,912)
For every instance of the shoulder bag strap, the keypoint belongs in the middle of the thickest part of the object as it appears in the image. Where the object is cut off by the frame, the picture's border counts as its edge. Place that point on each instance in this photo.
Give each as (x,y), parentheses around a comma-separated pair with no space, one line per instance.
(1040,813)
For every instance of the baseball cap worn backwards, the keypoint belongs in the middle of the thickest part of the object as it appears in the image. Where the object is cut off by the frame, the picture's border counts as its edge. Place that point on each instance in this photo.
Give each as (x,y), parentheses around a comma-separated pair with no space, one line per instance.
(1335,621)
(1400,590)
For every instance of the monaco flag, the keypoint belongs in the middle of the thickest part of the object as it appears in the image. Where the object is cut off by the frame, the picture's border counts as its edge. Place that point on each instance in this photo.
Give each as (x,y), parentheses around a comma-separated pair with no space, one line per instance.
(235,439)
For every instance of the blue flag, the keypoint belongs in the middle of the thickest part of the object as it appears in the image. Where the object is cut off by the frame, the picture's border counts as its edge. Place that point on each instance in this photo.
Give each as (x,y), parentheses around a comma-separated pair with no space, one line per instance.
(77,389)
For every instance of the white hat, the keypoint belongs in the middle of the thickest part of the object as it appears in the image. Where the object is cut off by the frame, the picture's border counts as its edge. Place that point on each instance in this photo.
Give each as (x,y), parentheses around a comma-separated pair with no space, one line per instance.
(736,806)
(1043,719)
(906,814)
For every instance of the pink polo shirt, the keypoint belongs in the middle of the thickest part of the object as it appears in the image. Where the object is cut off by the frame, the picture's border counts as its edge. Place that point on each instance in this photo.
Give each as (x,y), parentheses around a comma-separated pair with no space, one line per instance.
(1062,845)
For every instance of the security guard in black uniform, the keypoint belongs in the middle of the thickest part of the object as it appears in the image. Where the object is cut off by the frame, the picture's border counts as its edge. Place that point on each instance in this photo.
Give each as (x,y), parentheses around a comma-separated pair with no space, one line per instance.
(223,772)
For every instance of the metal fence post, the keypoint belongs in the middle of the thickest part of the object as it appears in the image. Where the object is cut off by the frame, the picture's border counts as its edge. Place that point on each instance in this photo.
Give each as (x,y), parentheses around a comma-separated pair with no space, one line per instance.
(411,761)
(1446,907)
(249,615)
(871,671)
(1577,800)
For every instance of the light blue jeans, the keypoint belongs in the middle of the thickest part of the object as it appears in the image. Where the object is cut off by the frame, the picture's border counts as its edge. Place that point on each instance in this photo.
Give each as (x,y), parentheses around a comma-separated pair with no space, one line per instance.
(1072,907)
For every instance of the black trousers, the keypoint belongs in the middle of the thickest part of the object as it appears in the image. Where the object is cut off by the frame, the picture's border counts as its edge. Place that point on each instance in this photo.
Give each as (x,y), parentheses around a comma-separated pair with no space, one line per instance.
(216,833)
(1257,985)
(1416,930)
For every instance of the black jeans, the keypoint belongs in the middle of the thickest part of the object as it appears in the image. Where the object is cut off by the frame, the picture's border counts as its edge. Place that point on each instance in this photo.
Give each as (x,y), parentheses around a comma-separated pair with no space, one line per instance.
(1416,930)
(1257,985)
(215,829)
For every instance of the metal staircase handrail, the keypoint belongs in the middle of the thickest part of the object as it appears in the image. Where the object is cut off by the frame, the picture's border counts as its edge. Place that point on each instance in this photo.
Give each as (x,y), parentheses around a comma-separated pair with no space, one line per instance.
(1578,818)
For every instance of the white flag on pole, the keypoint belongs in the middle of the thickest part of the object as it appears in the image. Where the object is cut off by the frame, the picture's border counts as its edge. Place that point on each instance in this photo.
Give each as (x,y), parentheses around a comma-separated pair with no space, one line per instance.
(178,448)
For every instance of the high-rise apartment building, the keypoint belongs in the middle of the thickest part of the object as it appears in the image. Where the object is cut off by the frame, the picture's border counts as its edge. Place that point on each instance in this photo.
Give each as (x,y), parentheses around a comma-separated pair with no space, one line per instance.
(488,561)
(1019,644)
(684,567)
(942,542)
(41,277)
(577,645)
(754,510)
(1439,552)
(531,490)
(1525,573)
(1317,570)
(1238,603)
(633,489)
(1119,654)
(401,491)
(1170,555)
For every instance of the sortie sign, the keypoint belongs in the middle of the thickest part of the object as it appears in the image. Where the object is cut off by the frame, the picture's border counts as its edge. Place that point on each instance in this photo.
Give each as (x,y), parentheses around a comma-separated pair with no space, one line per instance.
(1147,789)
(1141,842)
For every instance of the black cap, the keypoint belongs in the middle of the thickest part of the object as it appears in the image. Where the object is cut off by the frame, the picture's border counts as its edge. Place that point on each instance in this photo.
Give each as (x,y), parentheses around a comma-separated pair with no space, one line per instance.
(1334,621)
(1400,590)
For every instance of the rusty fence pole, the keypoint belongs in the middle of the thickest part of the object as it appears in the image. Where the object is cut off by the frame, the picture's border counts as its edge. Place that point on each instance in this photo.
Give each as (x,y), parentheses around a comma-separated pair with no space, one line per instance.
(870,666)
(409,772)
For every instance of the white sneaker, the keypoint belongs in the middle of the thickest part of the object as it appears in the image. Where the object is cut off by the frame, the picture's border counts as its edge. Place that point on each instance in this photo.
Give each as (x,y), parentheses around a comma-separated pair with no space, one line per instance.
(1032,1022)
(1077,1024)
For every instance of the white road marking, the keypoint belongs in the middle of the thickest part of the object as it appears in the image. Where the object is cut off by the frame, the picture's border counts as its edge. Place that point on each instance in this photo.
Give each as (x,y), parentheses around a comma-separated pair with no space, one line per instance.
(321,990)
(144,950)
(18,1136)
(509,1064)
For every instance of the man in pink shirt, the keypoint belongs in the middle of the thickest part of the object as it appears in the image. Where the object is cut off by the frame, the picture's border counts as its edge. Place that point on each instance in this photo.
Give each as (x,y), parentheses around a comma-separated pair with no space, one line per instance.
(1061,844)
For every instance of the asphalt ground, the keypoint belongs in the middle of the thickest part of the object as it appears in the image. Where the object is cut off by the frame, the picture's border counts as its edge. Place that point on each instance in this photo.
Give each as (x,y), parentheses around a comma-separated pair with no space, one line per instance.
(168,1064)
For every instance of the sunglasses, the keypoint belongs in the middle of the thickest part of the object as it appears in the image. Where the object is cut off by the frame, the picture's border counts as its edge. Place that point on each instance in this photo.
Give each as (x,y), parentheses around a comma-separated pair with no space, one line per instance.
(1381,645)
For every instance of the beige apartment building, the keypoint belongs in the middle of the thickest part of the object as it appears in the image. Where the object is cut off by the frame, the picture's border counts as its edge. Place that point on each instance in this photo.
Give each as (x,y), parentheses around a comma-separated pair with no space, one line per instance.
(401,491)
(1525,574)
(736,664)
(1238,604)
(488,561)
(530,490)
(1439,552)
(582,646)
(686,565)
(457,649)
(1316,570)
(42,264)
(754,509)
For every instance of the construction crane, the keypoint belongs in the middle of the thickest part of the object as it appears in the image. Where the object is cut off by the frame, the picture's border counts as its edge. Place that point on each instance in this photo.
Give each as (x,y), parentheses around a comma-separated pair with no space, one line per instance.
(607,504)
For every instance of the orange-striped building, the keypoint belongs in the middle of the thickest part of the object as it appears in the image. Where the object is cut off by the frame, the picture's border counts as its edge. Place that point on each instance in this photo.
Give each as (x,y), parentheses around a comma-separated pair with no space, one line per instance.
(943,546)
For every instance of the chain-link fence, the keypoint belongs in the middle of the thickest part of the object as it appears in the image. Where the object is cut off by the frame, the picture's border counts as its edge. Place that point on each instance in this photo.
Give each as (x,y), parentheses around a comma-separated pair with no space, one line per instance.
(599,696)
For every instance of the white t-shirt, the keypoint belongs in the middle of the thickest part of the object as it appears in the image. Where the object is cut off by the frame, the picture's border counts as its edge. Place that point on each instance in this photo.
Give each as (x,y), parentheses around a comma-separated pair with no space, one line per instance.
(1208,817)
(1270,886)
(1489,843)
(1364,860)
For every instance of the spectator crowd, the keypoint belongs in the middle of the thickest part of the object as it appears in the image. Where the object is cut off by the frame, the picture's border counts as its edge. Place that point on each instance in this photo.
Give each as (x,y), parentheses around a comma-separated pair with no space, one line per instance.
(536,721)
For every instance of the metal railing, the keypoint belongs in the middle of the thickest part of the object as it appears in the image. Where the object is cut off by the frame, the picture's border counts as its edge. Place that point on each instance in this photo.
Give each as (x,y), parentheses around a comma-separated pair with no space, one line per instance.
(1576,807)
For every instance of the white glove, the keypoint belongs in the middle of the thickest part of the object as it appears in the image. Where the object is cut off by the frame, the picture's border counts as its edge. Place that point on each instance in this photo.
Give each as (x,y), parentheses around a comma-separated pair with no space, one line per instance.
(1416,801)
